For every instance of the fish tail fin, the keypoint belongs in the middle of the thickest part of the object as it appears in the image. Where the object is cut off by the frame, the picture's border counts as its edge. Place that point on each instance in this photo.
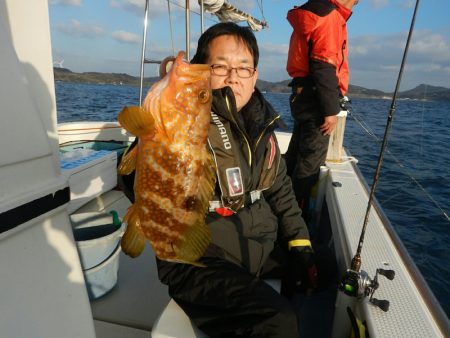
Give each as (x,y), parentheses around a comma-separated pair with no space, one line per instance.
(136,120)
(133,241)
(128,162)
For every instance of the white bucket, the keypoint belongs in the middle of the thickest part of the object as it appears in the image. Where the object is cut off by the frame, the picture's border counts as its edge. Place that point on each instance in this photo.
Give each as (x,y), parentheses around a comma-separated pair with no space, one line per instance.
(103,277)
(96,237)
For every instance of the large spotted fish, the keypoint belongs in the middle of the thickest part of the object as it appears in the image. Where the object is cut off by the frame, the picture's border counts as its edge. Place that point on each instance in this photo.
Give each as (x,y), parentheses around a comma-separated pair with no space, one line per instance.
(174,171)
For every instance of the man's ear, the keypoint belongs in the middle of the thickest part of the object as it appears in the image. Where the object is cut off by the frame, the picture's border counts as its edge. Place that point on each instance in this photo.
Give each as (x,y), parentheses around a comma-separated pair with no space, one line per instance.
(255,77)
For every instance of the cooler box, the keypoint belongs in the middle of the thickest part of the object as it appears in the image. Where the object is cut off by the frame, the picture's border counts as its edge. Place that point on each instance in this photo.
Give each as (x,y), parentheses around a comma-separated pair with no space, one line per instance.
(90,173)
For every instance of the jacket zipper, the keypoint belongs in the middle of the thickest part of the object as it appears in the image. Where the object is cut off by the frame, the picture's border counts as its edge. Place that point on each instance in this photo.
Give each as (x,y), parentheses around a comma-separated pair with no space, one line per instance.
(264,131)
(344,44)
(240,130)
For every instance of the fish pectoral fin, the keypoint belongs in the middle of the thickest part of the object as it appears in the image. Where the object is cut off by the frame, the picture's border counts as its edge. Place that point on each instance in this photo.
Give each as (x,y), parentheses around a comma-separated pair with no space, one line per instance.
(133,241)
(136,120)
(195,241)
(207,184)
(196,238)
(200,265)
(128,162)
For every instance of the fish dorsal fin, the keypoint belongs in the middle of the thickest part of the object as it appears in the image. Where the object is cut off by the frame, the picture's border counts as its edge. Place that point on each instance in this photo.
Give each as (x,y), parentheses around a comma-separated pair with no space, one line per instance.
(136,120)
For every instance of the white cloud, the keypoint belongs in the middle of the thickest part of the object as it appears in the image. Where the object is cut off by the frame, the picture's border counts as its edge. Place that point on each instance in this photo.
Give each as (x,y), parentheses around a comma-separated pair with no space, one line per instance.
(407,4)
(114,3)
(431,46)
(77,29)
(156,8)
(275,49)
(246,6)
(127,37)
(159,7)
(375,60)
(379,3)
(65,2)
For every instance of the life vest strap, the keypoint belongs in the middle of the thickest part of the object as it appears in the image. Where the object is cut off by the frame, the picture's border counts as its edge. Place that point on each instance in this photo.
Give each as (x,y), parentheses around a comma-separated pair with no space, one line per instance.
(250,198)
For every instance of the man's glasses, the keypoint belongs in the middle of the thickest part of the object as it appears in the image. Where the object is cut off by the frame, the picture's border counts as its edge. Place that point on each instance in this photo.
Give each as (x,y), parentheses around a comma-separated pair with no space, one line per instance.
(242,72)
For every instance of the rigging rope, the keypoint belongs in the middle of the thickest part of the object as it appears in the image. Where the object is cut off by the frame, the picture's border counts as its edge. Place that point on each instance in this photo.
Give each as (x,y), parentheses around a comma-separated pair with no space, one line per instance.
(261,8)
(170,26)
(227,12)
(192,11)
(366,128)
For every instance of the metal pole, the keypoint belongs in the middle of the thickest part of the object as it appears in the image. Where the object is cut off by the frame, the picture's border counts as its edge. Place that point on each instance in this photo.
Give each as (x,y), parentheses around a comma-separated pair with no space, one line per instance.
(188,33)
(202,11)
(170,26)
(144,43)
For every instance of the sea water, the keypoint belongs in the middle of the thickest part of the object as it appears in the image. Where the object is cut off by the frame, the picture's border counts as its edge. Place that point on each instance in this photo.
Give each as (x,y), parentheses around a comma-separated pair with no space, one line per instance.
(414,183)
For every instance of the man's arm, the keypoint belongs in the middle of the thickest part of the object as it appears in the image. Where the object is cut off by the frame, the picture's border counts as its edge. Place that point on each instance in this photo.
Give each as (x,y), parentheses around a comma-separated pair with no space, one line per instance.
(281,198)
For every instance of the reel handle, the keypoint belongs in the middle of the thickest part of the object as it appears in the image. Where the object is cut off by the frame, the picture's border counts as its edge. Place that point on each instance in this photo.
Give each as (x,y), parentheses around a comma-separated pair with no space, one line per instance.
(389,274)
(382,304)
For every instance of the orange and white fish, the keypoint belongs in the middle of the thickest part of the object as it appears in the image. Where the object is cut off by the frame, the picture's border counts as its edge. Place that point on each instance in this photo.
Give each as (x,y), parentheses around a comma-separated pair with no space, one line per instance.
(174,171)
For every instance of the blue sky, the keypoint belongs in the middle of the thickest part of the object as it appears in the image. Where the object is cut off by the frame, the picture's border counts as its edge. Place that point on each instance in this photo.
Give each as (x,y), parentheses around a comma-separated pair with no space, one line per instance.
(105,36)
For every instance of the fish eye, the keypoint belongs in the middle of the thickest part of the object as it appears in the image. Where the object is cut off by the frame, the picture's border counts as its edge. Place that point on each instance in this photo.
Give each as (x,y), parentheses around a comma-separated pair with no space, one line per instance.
(203,95)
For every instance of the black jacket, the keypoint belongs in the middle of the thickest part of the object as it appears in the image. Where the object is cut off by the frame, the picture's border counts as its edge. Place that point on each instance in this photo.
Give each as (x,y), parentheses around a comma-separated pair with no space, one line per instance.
(248,236)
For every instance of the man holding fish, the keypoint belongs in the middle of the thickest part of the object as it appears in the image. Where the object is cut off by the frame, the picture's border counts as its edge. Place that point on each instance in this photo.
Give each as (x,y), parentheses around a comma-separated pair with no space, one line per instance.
(215,265)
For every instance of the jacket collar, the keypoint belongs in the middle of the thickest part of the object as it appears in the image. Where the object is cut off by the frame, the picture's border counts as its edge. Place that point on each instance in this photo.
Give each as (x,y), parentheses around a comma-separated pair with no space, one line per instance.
(256,115)
(345,12)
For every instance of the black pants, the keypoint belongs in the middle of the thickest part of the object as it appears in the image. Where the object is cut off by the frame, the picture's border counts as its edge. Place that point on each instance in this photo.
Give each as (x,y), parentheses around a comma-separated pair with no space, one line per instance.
(225,300)
(308,147)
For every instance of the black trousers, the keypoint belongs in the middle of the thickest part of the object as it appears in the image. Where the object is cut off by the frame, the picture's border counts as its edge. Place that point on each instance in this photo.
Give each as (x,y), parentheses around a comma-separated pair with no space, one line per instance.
(308,147)
(225,300)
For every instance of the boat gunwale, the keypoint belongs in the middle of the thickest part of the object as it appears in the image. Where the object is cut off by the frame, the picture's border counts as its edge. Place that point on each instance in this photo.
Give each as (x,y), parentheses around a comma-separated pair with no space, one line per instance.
(424,289)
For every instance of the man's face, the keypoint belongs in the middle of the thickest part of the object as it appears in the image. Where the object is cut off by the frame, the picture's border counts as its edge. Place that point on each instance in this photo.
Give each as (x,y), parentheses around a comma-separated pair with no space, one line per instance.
(227,50)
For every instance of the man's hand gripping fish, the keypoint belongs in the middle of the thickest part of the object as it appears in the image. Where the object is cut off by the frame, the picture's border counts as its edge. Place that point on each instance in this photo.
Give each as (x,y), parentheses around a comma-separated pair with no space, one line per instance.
(174,171)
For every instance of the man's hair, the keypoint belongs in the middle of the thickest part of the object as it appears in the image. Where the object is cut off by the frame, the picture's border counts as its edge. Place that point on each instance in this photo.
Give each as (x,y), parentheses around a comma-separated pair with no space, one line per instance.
(244,34)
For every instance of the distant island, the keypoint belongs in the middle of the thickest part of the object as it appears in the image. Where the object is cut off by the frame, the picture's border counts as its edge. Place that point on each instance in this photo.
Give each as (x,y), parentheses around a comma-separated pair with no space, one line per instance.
(432,92)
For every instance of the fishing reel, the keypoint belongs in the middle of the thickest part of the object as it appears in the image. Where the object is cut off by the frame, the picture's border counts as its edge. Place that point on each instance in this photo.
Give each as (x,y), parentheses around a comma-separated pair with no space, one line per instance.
(344,103)
(360,285)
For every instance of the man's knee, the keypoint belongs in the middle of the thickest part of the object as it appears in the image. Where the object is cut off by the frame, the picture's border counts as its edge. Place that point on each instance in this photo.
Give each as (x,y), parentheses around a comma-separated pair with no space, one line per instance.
(284,324)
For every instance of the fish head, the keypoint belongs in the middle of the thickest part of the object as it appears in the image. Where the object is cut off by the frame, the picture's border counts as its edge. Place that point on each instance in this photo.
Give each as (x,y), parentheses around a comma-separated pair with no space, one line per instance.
(185,101)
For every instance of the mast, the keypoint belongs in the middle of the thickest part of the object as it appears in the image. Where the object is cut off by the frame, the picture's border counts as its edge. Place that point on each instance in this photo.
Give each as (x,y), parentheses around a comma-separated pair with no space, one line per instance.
(188,24)
(144,39)
(202,17)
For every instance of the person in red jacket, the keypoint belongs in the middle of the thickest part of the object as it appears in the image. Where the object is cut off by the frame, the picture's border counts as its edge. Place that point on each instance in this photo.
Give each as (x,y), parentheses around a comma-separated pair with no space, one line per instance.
(317,62)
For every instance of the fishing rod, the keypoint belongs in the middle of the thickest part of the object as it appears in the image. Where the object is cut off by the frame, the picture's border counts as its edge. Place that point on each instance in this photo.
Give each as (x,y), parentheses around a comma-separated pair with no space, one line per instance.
(355,282)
